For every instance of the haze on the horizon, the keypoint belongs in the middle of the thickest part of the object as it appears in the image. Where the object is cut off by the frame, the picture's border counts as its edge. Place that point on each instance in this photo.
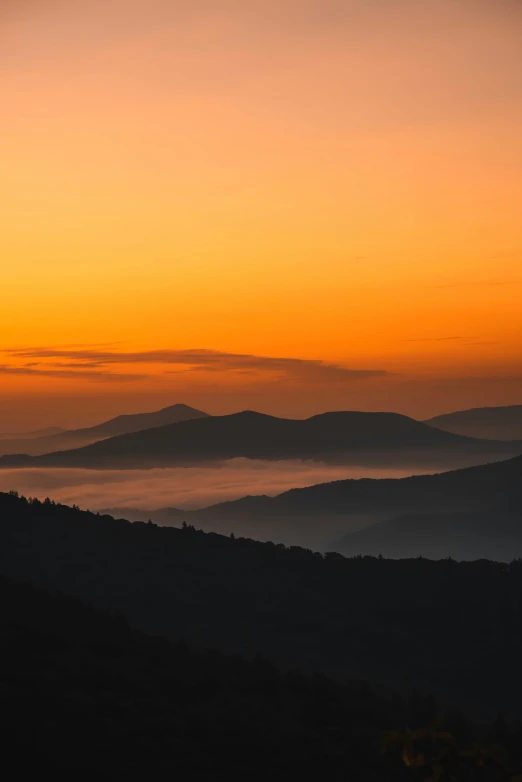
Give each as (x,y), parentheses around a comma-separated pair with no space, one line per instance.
(286,206)
(183,487)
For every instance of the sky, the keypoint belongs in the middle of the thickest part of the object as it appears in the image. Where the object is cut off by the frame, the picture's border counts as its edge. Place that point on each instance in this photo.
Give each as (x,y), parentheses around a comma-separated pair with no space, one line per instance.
(287,206)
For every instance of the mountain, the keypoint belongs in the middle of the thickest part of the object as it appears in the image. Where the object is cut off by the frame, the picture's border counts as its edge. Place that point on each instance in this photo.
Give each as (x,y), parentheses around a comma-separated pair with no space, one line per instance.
(126,424)
(317,515)
(461,536)
(83,684)
(342,437)
(75,438)
(495,423)
(454,629)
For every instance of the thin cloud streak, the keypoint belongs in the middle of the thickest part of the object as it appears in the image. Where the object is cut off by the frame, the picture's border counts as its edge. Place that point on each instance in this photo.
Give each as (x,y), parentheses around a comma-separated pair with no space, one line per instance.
(435,339)
(201,360)
(478,284)
(69,374)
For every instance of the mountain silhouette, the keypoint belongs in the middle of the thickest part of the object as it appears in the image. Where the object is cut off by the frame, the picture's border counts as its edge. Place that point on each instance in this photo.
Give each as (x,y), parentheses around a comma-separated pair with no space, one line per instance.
(495,423)
(75,438)
(341,437)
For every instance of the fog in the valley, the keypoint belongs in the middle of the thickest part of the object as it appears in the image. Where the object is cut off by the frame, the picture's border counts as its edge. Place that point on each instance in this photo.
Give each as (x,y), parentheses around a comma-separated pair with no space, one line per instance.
(181,487)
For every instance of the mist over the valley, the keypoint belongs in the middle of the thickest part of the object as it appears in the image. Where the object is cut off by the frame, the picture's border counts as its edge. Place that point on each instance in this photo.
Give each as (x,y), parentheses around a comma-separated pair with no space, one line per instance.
(181,487)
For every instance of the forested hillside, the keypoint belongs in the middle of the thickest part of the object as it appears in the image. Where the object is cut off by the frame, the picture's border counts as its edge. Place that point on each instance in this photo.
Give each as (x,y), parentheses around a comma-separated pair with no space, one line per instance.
(454,629)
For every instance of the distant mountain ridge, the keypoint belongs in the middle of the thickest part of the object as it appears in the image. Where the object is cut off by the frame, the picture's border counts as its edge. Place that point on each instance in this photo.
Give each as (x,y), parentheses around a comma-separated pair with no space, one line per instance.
(46,432)
(351,437)
(75,438)
(496,423)
(136,422)
(462,536)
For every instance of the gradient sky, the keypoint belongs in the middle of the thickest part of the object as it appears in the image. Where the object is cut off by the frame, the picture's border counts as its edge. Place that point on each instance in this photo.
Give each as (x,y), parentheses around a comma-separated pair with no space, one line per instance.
(292,206)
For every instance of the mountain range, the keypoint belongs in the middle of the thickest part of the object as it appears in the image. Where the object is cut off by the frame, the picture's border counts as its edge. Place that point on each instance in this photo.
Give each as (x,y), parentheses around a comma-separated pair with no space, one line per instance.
(56,439)
(338,437)
(465,513)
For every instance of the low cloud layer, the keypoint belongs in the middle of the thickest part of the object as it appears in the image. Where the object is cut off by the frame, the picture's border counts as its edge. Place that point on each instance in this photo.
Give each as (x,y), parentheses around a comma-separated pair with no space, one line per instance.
(185,488)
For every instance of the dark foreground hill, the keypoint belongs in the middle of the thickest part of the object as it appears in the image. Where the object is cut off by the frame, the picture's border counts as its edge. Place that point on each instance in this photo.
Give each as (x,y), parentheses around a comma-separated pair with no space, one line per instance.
(343,437)
(83,686)
(83,690)
(86,693)
(76,438)
(454,629)
(495,423)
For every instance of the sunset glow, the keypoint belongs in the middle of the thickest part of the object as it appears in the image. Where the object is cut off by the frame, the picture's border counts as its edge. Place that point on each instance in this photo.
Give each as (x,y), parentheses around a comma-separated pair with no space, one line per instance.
(287,206)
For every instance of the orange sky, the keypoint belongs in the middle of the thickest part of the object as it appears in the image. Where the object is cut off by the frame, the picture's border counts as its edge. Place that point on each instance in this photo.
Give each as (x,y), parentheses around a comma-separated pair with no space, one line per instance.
(283,183)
